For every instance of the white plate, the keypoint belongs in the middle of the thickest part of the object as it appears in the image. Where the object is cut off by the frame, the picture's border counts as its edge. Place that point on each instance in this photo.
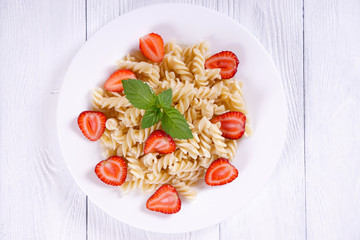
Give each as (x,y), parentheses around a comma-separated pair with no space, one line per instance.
(187,24)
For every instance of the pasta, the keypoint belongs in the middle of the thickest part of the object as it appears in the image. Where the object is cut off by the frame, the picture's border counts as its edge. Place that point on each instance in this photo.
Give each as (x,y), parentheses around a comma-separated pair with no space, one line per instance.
(198,93)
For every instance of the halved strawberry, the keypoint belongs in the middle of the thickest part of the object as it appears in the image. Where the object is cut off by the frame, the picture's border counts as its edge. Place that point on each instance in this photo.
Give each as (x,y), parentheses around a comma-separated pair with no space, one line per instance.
(220,172)
(114,82)
(112,171)
(152,47)
(226,60)
(232,124)
(165,200)
(159,141)
(92,124)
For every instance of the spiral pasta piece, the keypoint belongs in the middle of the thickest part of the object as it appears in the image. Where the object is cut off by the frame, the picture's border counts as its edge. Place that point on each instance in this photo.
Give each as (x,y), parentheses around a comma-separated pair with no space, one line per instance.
(159,178)
(131,185)
(183,189)
(173,48)
(101,102)
(131,117)
(107,140)
(184,166)
(136,168)
(164,162)
(173,63)
(231,146)
(218,140)
(188,53)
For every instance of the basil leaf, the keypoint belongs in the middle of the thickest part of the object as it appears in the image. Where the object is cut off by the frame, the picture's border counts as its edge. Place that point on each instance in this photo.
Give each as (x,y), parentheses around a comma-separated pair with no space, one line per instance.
(174,123)
(165,98)
(151,117)
(139,93)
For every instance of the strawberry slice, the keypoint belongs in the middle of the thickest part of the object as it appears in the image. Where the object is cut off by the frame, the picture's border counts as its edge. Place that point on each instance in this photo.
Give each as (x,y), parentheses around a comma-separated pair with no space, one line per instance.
(152,47)
(112,171)
(232,124)
(226,60)
(165,200)
(159,141)
(92,124)
(220,172)
(114,82)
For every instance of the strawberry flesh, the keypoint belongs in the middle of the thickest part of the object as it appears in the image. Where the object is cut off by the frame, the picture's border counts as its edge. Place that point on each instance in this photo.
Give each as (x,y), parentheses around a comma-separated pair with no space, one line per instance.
(232,124)
(92,124)
(165,200)
(152,47)
(226,61)
(112,171)
(220,172)
(159,141)
(114,82)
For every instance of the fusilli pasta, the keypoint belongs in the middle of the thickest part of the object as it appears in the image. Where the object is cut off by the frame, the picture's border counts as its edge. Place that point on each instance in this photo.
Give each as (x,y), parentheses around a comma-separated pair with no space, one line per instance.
(198,93)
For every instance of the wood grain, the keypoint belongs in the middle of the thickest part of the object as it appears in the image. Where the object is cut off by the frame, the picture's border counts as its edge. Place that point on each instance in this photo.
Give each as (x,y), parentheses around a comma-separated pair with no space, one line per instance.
(38,197)
(332,127)
(314,192)
(278,212)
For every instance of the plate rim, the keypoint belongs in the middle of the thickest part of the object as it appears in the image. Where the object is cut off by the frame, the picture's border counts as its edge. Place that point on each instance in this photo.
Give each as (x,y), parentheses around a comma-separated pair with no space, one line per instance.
(258,43)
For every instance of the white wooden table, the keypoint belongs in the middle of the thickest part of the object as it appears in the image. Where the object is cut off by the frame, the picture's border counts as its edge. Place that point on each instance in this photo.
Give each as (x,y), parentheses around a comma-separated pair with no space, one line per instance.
(315,190)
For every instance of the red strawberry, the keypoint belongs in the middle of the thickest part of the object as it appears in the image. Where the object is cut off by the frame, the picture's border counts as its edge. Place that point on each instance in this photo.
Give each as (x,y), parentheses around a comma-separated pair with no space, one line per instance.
(226,60)
(165,200)
(112,171)
(152,47)
(232,124)
(92,124)
(220,172)
(114,82)
(159,141)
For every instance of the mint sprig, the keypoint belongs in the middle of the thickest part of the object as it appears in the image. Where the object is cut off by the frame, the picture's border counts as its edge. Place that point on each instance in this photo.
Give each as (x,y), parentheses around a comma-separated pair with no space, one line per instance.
(141,96)
(174,123)
(165,98)
(151,117)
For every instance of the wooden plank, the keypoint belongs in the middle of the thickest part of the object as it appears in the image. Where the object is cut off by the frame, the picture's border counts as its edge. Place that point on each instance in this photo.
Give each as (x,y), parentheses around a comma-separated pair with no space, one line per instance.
(38,197)
(99,13)
(101,225)
(278,212)
(332,133)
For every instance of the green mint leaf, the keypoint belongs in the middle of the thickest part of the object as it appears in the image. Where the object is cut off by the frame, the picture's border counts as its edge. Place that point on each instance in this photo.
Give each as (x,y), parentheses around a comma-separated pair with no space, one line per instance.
(151,117)
(174,123)
(139,93)
(165,98)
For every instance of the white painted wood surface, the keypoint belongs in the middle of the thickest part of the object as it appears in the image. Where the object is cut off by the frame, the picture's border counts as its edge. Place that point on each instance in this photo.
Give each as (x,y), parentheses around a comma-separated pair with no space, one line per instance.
(38,197)
(332,118)
(315,190)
